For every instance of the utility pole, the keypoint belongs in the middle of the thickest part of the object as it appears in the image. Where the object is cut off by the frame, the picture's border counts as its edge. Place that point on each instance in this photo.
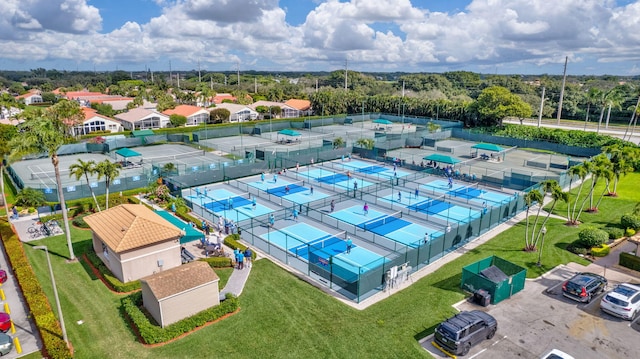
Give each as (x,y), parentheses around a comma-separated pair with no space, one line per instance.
(255,85)
(238,63)
(541,107)
(564,79)
(346,63)
(170,74)
(199,76)
(316,85)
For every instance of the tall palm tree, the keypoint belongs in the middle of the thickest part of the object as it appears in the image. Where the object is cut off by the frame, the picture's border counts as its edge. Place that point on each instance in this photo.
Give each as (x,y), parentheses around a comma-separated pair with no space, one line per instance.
(533,196)
(592,98)
(109,170)
(85,169)
(580,171)
(614,98)
(557,195)
(622,159)
(44,135)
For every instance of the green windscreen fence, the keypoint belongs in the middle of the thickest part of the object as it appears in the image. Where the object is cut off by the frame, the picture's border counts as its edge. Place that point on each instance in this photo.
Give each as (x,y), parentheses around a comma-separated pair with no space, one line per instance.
(482,275)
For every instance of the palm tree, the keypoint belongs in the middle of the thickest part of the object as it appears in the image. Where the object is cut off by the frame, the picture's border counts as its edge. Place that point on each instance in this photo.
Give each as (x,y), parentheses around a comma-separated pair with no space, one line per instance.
(84,169)
(109,170)
(614,98)
(581,171)
(533,196)
(557,195)
(592,97)
(622,159)
(44,135)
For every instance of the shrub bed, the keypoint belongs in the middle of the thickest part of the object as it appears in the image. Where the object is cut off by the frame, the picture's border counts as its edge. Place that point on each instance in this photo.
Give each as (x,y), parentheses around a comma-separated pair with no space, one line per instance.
(151,333)
(601,251)
(48,326)
(614,232)
(630,221)
(114,282)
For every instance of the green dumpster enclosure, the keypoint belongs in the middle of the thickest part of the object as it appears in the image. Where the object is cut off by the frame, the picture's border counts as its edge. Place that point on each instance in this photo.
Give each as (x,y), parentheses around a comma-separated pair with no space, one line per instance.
(499,277)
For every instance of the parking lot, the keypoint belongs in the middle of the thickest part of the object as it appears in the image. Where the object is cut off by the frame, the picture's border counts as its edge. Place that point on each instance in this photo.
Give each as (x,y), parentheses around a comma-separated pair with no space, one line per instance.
(540,318)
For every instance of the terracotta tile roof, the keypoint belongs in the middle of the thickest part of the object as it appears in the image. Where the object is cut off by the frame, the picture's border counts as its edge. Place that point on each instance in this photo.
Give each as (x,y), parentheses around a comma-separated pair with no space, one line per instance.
(29,94)
(224,96)
(184,110)
(180,279)
(130,226)
(78,94)
(90,113)
(302,105)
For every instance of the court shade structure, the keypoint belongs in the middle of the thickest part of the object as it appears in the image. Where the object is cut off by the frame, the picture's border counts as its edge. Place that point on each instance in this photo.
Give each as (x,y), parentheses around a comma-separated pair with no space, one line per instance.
(442,158)
(289,132)
(127,152)
(488,147)
(382,121)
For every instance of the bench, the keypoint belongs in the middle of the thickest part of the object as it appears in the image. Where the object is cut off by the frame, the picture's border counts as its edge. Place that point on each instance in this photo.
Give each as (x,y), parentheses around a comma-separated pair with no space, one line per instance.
(186,256)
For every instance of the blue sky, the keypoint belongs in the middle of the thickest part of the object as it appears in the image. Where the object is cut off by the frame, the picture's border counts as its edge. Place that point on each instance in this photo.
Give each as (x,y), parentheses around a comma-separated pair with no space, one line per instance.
(488,36)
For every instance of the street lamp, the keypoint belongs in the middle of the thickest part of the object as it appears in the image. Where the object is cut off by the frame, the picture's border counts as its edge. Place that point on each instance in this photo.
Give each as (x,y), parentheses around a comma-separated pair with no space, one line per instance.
(270,124)
(55,294)
(544,232)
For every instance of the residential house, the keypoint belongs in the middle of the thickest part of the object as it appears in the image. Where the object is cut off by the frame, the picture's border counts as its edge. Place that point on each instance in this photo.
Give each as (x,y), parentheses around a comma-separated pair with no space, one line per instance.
(239,113)
(219,98)
(195,115)
(142,119)
(93,121)
(271,104)
(30,98)
(302,106)
(180,292)
(134,242)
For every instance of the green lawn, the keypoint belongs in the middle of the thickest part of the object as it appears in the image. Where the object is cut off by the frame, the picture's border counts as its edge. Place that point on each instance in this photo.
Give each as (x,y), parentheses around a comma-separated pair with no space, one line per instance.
(284,317)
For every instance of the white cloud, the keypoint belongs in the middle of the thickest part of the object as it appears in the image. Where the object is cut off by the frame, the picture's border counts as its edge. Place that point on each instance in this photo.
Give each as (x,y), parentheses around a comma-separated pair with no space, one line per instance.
(391,35)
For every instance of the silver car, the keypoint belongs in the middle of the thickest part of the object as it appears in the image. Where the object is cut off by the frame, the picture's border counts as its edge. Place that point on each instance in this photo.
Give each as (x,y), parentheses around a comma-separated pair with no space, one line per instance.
(623,301)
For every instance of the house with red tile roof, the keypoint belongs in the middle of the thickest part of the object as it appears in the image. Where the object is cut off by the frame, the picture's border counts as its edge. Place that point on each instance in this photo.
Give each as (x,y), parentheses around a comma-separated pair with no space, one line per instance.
(218,98)
(30,97)
(142,119)
(304,106)
(286,111)
(195,115)
(93,121)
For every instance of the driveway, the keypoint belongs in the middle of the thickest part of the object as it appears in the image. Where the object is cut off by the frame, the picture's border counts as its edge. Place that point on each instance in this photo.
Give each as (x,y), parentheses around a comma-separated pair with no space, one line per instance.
(539,319)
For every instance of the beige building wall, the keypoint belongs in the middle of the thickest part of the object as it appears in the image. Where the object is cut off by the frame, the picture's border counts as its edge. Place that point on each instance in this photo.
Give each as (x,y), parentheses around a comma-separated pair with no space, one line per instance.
(151,304)
(188,303)
(149,260)
(135,264)
(109,258)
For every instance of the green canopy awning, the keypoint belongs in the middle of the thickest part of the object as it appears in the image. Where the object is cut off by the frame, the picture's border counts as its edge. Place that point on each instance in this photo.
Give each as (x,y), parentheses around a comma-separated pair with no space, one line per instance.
(383,121)
(488,147)
(442,158)
(288,132)
(127,152)
(141,133)
(191,234)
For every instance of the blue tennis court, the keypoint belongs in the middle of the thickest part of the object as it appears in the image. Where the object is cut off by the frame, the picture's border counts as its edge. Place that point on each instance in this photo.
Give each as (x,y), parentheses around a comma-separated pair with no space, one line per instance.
(473,194)
(368,168)
(230,205)
(349,266)
(445,210)
(413,235)
(336,179)
(355,215)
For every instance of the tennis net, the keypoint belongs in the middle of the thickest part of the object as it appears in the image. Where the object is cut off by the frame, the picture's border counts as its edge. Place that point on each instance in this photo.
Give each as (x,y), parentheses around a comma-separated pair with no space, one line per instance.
(318,244)
(377,222)
(237,200)
(294,187)
(198,153)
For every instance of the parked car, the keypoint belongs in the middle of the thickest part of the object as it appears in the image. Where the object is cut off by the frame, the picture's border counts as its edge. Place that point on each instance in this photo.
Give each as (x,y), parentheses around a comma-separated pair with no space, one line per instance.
(3,276)
(556,354)
(623,301)
(459,333)
(5,322)
(6,344)
(584,286)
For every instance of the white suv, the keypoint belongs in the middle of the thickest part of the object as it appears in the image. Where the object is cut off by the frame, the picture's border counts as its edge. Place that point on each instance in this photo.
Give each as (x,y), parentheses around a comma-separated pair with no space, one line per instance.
(623,301)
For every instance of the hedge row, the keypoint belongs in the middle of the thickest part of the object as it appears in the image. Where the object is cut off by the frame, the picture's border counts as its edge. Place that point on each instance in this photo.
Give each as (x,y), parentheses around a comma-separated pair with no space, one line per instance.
(232,241)
(218,262)
(601,251)
(630,261)
(152,333)
(40,309)
(114,282)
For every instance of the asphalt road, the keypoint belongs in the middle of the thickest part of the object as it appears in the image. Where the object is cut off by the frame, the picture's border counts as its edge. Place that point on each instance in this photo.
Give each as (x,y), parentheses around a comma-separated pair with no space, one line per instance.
(612,131)
(539,319)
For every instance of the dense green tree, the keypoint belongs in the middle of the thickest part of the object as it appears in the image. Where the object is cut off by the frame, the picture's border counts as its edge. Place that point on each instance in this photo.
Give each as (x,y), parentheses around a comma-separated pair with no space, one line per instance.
(496,103)
(219,115)
(177,120)
(30,197)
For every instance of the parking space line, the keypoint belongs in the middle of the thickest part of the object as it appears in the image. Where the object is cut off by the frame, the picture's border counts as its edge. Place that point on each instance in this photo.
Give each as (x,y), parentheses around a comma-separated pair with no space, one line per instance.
(492,344)
(634,321)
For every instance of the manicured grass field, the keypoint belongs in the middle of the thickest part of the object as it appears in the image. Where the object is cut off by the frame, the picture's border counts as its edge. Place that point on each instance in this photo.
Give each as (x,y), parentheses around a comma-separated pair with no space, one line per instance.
(284,317)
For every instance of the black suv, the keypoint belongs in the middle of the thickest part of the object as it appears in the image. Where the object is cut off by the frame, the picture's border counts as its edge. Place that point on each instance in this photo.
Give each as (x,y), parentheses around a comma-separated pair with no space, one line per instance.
(457,334)
(584,286)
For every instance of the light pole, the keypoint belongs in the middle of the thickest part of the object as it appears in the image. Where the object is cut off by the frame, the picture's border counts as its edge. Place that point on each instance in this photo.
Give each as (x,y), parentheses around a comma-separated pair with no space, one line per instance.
(544,232)
(362,114)
(55,294)
(270,123)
